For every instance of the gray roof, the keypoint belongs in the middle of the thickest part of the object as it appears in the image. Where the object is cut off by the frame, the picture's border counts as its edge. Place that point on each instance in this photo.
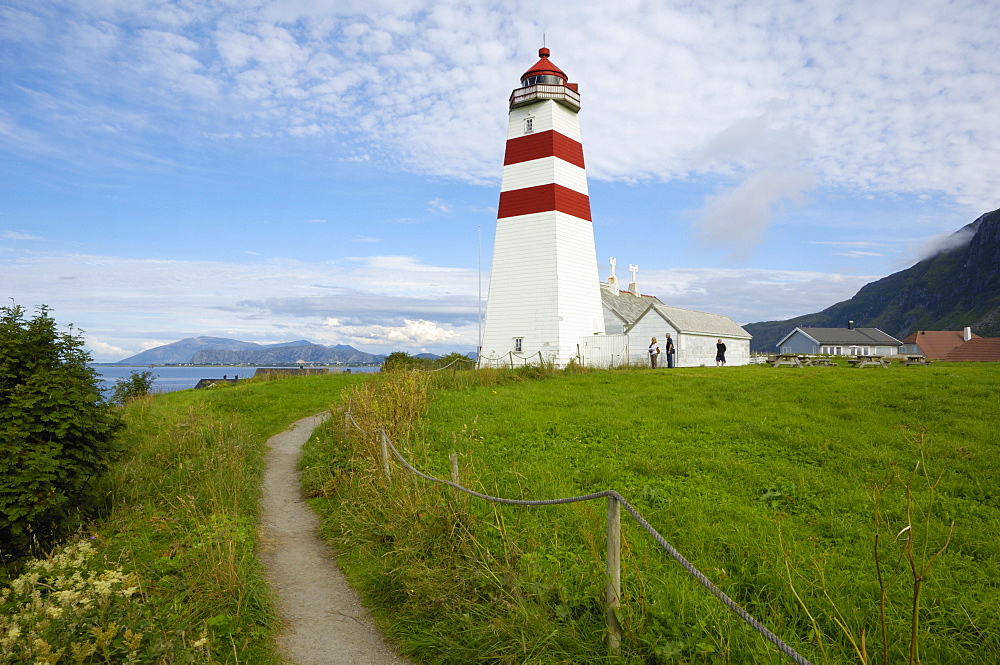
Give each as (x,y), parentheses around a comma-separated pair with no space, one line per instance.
(691,321)
(625,305)
(847,336)
(630,309)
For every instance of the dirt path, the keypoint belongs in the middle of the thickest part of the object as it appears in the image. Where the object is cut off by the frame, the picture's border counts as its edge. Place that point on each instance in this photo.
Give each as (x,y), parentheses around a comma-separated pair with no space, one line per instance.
(325,622)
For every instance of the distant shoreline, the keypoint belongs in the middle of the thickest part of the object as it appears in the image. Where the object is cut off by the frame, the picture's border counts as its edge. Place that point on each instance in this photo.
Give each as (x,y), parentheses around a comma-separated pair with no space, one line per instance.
(237,365)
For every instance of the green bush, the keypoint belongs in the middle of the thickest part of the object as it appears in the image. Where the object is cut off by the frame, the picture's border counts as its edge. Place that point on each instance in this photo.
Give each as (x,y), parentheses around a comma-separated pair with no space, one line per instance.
(456,361)
(136,384)
(399,361)
(57,435)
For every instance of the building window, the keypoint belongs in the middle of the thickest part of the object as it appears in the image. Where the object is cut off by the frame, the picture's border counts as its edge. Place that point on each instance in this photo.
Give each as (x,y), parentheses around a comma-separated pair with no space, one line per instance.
(518,344)
(529,125)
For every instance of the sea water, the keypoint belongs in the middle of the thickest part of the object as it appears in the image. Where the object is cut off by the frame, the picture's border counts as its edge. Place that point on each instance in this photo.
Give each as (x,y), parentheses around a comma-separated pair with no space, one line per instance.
(168,379)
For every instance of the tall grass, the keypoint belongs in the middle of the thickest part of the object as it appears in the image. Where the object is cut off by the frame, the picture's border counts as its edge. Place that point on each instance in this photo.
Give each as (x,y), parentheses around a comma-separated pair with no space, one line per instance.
(773,482)
(172,561)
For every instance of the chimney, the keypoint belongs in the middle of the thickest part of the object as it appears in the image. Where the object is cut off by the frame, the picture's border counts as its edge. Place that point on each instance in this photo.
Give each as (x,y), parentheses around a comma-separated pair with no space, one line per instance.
(850,325)
(633,286)
(612,280)
(967,333)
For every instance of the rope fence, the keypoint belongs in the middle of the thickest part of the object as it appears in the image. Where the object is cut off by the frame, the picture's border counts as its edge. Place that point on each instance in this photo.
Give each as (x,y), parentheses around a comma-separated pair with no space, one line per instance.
(453,362)
(615,501)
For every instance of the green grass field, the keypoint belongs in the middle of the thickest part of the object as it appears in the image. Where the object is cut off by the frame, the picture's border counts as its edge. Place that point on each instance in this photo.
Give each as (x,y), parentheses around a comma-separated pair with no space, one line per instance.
(771,481)
(169,573)
(766,479)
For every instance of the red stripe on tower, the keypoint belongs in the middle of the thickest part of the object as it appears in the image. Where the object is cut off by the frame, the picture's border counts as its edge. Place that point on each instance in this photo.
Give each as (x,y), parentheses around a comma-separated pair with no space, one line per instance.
(543,144)
(544,198)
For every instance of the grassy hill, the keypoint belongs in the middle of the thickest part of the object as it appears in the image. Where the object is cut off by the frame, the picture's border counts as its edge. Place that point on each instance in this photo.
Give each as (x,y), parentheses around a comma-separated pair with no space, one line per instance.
(769,480)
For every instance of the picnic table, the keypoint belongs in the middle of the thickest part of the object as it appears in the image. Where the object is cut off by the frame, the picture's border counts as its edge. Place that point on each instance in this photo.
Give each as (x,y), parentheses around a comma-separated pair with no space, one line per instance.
(790,359)
(869,361)
(799,360)
(916,360)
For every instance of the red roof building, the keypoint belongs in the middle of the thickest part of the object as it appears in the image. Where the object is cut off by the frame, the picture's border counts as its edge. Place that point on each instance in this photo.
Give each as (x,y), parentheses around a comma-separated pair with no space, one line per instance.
(936,344)
(978,349)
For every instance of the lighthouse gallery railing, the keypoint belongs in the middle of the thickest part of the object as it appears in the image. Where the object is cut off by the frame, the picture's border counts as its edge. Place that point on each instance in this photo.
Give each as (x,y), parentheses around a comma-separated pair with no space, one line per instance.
(560,93)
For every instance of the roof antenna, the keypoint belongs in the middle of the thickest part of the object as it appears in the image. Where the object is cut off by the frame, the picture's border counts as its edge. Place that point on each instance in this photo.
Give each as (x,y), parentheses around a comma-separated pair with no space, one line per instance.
(543,39)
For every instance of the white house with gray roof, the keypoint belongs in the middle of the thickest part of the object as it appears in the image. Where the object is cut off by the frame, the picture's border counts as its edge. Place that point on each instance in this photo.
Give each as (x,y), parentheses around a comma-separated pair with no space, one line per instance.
(849,341)
(631,319)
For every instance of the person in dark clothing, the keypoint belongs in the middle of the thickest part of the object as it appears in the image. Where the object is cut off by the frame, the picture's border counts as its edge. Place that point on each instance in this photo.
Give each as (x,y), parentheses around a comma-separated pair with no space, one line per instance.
(720,354)
(669,350)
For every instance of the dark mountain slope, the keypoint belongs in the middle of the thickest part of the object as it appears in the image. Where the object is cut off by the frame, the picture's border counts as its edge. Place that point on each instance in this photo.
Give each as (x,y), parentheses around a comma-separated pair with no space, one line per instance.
(956,288)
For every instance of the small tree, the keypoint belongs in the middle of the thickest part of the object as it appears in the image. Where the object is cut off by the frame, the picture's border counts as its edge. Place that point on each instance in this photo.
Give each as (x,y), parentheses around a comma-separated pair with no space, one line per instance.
(57,435)
(399,361)
(456,360)
(136,384)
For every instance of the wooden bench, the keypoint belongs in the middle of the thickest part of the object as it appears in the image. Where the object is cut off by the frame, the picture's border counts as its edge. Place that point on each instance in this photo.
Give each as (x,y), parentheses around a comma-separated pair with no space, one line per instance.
(916,360)
(790,359)
(869,361)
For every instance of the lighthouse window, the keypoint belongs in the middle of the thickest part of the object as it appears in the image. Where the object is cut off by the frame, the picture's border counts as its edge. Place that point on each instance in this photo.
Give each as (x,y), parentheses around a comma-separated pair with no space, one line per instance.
(529,125)
(543,79)
(518,344)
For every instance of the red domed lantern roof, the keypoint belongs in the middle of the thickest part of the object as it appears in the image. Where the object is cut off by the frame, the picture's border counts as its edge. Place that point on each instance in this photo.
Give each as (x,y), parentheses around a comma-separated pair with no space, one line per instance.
(544,67)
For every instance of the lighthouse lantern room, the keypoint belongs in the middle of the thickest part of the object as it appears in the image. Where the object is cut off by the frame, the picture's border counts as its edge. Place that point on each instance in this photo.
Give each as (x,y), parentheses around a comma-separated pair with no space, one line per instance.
(544,292)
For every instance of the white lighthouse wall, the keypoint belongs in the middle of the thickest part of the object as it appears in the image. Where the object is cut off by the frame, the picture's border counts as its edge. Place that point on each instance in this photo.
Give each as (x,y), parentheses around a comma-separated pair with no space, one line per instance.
(544,288)
(545,115)
(544,171)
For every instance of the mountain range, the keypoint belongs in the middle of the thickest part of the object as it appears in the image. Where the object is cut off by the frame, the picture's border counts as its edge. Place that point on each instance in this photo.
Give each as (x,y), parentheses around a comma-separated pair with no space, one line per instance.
(223,351)
(956,288)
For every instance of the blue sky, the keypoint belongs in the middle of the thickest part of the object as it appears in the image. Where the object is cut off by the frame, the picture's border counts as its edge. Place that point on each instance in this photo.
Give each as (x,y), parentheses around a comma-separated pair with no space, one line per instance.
(289,169)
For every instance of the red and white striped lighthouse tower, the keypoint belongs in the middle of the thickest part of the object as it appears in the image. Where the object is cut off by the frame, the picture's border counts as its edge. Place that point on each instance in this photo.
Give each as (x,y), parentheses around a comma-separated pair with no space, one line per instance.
(544,288)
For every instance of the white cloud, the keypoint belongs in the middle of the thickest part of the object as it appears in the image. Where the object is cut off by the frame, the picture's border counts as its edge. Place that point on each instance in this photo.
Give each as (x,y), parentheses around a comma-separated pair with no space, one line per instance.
(751,294)
(438,205)
(940,243)
(17,235)
(377,304)
(381,302)
(103,350)
(887,96)
(412,334)
(858,253)
(738,219)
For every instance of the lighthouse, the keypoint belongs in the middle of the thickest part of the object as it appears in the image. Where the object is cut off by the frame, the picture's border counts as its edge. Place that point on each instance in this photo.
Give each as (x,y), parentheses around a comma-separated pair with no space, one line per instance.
(544,293)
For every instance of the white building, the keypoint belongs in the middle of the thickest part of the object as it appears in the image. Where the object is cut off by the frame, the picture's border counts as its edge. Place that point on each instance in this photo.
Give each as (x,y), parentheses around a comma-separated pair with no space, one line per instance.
(632,319)
(544,288)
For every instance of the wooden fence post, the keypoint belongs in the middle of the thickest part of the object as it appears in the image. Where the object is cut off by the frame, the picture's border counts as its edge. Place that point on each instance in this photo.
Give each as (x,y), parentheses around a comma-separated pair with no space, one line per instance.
(385,453)
(454,468)
(614,574)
